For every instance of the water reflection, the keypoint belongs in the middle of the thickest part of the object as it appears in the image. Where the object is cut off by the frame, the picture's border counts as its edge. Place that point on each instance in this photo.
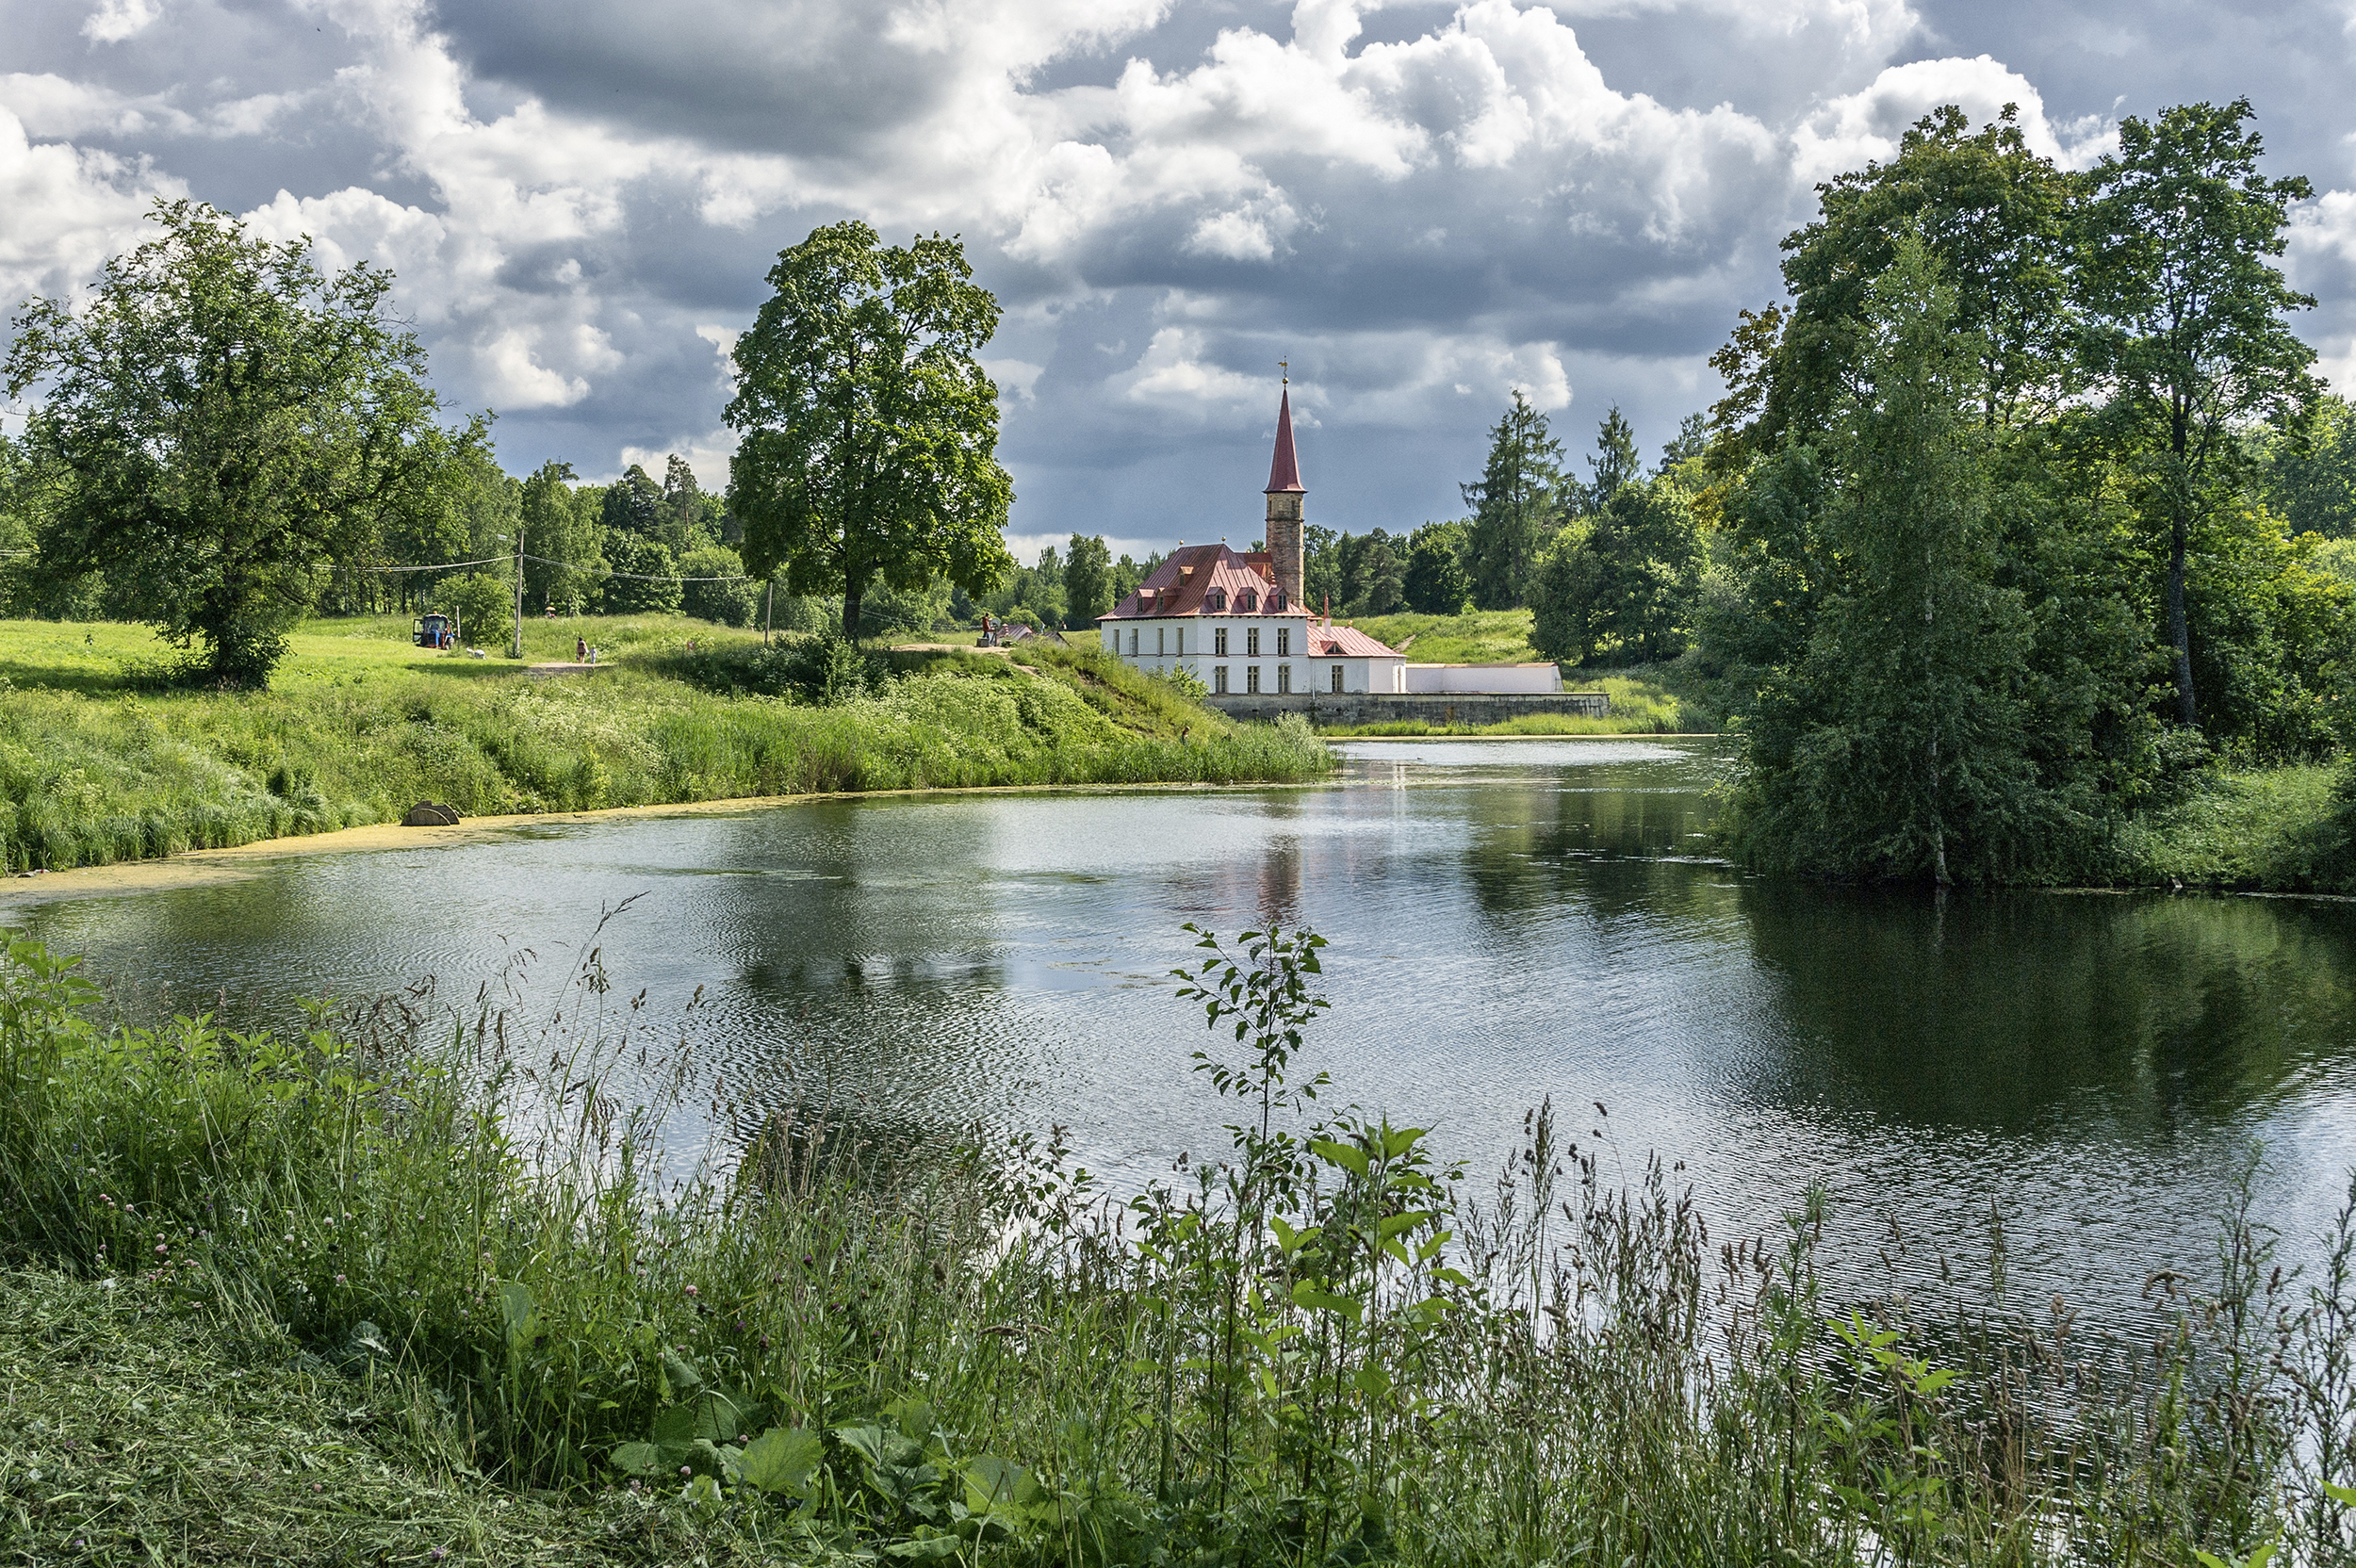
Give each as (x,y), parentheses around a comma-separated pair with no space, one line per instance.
(1508,922)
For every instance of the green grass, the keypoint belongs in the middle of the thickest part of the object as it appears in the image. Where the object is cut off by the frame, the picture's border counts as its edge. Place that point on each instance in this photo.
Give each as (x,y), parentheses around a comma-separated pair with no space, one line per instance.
(2285,829)
(138,1429)
(449,1286)
(100,762)
(1475,637)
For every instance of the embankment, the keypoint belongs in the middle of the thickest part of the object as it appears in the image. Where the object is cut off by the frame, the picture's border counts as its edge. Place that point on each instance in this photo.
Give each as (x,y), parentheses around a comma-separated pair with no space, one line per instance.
(97,776)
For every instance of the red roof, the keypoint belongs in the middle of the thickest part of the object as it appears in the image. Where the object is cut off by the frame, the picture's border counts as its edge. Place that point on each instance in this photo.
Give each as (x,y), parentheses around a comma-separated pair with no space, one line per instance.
(1345,641)
(1182,585)
(1284,475)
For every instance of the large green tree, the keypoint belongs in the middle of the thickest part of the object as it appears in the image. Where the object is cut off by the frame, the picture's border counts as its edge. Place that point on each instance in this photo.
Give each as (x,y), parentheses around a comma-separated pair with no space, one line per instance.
(223,422)
(1087,582)
(868,429)
(562,563)
(1620,585)
(2188,339)
(1896,746)
(1436,583)
(1516,505)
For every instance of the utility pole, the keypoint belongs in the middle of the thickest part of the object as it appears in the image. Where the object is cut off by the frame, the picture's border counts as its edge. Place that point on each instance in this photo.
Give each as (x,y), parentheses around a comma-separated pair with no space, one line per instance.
(519,588)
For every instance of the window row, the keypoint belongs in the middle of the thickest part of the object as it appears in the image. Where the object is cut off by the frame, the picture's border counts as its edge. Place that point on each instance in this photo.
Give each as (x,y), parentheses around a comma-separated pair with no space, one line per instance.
(1247,601)
(1252,680)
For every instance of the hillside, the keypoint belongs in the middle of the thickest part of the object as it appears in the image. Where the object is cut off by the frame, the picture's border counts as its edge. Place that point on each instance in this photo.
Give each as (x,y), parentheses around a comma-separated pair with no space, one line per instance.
(101,760)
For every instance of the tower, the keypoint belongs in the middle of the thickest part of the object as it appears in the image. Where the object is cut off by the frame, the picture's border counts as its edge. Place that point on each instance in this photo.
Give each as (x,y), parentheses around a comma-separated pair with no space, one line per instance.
(1285,497)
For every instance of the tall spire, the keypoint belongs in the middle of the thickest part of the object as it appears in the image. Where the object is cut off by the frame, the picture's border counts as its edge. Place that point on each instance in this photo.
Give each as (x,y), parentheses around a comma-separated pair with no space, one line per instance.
(1284,475)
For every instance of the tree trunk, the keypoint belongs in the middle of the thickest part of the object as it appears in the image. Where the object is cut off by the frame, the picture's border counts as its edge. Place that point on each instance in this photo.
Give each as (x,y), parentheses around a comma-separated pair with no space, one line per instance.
(851,597)
(2179,629)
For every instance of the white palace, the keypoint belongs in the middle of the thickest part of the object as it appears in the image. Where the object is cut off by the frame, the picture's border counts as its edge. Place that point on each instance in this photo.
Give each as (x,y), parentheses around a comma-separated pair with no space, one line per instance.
(1236,620)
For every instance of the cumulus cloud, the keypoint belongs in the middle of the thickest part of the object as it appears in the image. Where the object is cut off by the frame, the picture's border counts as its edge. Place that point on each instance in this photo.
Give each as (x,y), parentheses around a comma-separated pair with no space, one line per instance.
(1422,209)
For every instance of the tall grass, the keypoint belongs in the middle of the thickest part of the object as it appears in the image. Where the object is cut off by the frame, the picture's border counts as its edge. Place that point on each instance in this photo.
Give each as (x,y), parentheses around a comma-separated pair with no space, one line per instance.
(1324,1347)
(89,779)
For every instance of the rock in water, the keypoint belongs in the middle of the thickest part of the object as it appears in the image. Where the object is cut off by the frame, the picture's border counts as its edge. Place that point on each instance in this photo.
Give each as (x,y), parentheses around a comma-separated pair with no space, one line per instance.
(425,813)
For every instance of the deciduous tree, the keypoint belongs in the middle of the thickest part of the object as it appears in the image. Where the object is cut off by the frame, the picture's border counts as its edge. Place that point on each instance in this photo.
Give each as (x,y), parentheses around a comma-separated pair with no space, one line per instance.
(868,428)
(224,422)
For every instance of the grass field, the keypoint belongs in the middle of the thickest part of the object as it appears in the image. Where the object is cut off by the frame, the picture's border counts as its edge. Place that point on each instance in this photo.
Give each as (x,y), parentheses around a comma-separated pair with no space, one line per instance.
(103,759)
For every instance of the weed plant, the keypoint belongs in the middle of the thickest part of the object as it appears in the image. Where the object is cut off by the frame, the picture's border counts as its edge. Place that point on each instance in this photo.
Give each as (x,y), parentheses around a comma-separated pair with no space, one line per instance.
(1324,1347)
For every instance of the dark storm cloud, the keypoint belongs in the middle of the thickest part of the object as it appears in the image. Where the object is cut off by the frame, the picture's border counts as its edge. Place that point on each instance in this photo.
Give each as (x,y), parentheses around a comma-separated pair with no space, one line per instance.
(1420,205)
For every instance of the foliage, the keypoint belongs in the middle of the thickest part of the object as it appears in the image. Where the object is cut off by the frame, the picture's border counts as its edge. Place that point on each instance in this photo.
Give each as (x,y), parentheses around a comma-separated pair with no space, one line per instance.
(867,427)
(1087,582)
(2188,341)
(716,588)
(2309,470)
(563,568)
(641,578)
(1517,506)
(1436,583)
(1894,746)
(1315,1345)
(484,605)
(221,422)
(1614,463)
(1621,586)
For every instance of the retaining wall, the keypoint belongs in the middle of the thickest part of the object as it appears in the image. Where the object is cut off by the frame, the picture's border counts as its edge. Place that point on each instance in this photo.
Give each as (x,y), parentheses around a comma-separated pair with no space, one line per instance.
(1331,709)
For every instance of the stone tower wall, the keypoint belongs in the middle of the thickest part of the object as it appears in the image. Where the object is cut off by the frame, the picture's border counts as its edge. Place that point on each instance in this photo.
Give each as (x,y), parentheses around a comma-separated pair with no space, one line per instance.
(1285,544)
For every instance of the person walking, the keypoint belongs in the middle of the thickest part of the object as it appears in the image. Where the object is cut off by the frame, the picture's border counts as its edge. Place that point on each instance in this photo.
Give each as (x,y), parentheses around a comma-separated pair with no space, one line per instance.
(581,650)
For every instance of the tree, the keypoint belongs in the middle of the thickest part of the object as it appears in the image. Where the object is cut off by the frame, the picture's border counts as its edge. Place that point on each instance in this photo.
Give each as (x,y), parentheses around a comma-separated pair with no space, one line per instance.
(1320,567)
(1616,462)
(716,588)
(562,564)
(1087,582)
(644,576)
(1622,582)
(1896,747)
(1436,583)
(2187,339)
(869,430)
(2309,471)
(1515,505)
(1373,575)
(224,422)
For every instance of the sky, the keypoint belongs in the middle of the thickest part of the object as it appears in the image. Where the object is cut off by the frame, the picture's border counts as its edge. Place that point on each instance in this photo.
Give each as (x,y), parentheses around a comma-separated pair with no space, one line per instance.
(1421,207)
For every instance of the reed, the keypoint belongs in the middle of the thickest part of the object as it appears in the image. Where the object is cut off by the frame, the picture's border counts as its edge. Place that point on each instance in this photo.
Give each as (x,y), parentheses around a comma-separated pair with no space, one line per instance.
(1326,1345)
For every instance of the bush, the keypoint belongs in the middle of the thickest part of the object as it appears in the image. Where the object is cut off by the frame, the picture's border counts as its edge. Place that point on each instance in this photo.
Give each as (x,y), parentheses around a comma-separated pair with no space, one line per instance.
(484,605)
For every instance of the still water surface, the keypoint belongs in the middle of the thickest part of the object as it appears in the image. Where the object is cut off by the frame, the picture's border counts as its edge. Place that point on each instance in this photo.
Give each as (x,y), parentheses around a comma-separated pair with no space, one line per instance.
(1508,922)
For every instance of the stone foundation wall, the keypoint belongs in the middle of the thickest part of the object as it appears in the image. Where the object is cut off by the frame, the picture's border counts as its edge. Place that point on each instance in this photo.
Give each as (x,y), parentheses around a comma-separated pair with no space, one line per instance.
(1330,709)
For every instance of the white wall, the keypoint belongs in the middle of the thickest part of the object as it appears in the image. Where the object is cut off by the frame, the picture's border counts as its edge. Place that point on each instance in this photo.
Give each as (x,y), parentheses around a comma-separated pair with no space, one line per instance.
(1475,678)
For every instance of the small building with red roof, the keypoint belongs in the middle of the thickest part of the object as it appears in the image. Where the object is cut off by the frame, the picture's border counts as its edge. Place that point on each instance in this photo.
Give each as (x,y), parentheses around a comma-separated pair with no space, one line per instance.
(1233,619)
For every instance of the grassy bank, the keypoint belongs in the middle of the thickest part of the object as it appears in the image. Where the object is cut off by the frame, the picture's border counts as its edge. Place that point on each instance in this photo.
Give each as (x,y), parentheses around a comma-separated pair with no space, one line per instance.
(2289,829)
(447,1289)
(103,760)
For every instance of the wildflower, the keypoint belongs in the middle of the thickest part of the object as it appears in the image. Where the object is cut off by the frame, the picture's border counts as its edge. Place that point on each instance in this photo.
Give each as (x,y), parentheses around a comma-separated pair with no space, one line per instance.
(438,1553)
(690,1289)
(339,1278)
(684,1472)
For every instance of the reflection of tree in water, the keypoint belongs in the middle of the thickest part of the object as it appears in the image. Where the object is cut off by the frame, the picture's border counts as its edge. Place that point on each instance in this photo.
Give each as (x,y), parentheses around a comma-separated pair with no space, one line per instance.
(1998,1010)
(1617,851)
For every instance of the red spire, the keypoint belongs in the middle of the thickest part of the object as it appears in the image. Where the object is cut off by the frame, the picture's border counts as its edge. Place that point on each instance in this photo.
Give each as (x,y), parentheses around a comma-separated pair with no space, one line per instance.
(1284,475)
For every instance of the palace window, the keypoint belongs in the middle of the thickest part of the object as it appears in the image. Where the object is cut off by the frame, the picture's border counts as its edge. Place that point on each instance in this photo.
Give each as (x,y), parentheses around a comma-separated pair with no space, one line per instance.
(1215,599)
(1218,641)
(1252,641)
(1337,678)
(1161,641)
(1133,641)
(1283,678)
(1276,600)
(1219,679)
(1181,649)
(1247,601)
(1251,679)
(1283,641)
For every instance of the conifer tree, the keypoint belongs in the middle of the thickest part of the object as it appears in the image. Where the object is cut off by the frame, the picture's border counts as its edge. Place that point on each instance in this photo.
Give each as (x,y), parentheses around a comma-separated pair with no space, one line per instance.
(1517,506)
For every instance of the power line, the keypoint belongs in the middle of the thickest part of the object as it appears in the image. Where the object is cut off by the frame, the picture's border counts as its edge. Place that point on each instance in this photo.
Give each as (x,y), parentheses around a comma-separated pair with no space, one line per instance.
(566,565)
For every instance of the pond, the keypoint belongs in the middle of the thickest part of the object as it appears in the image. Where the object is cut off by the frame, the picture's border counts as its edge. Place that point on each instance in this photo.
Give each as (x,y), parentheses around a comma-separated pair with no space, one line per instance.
(1509,921)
